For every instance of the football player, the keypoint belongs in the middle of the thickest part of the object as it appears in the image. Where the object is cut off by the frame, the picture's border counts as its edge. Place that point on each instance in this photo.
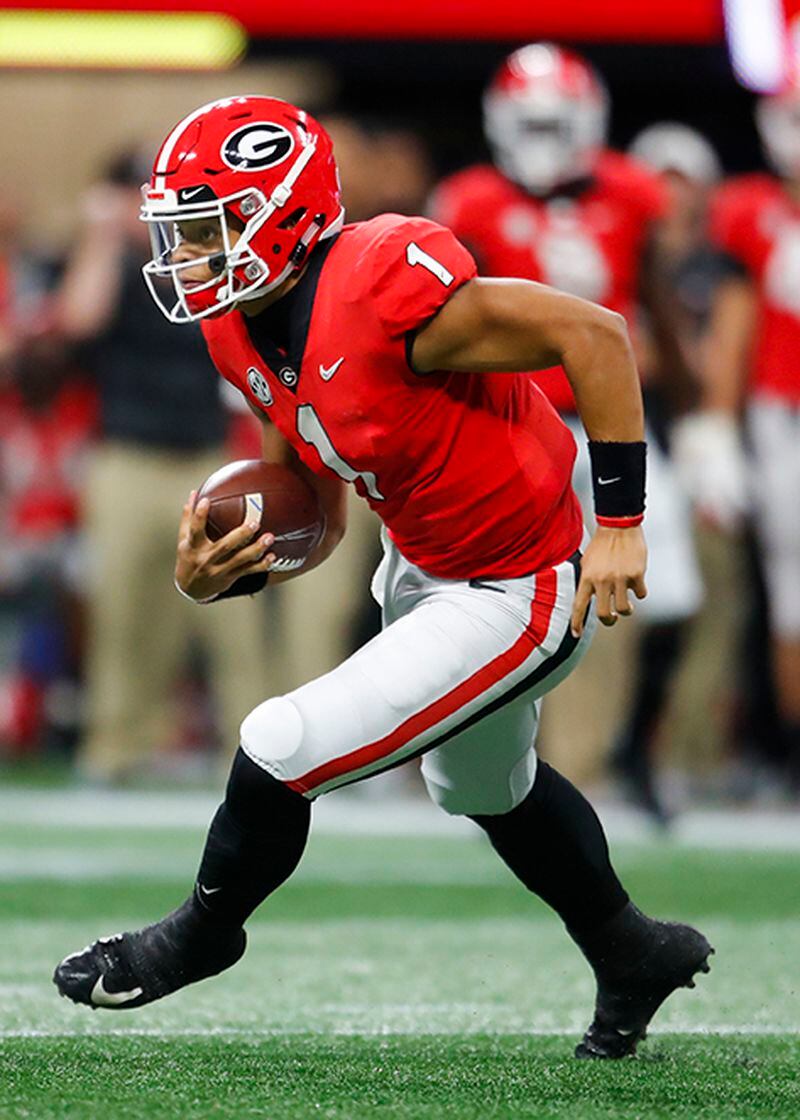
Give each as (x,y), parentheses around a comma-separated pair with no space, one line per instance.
(559,207)
(689,169)
(376,357)
(753,370)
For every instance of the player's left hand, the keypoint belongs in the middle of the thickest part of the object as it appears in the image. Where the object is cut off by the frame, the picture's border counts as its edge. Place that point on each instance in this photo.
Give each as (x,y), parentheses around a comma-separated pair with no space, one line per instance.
(612,566)
(205,568)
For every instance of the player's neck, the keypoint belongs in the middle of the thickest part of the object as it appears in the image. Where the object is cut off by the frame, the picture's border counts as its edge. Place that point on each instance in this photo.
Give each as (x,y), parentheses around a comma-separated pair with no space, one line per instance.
(252,307)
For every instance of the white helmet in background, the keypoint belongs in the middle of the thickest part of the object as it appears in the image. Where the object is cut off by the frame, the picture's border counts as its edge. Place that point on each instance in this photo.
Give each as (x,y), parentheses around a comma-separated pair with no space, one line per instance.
(778,122)
(670,146)
(545,117)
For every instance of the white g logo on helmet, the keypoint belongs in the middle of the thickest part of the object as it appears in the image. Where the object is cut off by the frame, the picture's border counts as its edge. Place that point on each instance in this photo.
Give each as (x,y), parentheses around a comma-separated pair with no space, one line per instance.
(256,146)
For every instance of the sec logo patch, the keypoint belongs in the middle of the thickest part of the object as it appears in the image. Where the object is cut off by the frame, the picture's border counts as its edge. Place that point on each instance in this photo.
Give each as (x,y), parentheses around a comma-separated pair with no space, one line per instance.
(259,386)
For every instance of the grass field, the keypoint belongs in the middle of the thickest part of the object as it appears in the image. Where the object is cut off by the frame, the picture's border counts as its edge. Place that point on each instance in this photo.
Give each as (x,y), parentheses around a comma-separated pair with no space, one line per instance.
(396,976)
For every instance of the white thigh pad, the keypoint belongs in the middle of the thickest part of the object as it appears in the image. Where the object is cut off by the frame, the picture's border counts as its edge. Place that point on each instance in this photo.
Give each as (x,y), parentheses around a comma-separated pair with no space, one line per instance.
(272,733)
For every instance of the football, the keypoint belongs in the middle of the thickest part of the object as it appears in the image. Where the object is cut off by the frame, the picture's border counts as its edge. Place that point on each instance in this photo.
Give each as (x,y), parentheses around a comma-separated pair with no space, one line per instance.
(275,497)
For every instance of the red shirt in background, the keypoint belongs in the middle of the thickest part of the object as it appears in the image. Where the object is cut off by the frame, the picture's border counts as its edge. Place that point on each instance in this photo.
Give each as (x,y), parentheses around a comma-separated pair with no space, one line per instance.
(589,245)
(42,454)
(756,223)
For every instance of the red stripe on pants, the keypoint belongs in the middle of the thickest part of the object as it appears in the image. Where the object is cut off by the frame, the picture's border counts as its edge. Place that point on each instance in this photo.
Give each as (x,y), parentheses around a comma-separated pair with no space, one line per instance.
(481,680)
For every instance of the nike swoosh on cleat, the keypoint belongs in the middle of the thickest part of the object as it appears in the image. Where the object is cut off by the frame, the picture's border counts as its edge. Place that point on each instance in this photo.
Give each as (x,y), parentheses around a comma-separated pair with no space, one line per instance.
(327,372)
(101,998)
(208,890)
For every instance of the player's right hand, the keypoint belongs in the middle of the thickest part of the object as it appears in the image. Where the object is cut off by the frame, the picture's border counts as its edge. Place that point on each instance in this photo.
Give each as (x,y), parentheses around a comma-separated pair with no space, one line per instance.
(205,568)
(613,565)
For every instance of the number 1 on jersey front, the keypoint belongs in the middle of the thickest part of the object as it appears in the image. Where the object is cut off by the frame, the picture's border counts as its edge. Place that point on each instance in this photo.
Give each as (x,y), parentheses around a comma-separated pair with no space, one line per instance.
(310,428)
(309,425)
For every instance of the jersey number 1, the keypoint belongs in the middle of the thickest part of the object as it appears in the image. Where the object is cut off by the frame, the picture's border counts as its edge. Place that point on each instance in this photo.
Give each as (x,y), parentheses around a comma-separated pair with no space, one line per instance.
(415,256)
(309,425)
(310,428)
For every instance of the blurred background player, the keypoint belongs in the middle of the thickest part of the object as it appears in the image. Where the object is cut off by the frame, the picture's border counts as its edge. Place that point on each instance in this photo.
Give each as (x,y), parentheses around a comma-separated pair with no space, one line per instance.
(753,374)
(163,428)
(559,207)
(690,171)
(705,706)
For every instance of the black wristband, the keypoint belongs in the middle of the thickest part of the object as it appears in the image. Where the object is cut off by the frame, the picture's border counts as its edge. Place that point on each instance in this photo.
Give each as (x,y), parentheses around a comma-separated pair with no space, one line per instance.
(245,585)
(618,482)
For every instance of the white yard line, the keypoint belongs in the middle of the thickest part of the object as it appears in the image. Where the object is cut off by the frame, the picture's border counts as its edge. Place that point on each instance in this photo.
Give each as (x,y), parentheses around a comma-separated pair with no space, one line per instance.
(349,813)
(725,1030)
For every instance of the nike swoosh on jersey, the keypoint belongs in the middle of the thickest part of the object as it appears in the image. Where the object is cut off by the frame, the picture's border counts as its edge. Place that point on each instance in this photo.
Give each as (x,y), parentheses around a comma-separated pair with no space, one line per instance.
(608,481)
(101,998)
(327,372)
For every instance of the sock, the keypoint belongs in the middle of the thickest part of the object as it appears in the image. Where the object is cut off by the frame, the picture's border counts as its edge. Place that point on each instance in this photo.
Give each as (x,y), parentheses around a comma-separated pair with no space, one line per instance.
(790,737)
(657,657)
(554,843)
(254,844)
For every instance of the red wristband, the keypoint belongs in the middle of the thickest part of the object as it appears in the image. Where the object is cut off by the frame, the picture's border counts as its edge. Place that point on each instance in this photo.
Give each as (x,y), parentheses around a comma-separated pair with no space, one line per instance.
(620,522)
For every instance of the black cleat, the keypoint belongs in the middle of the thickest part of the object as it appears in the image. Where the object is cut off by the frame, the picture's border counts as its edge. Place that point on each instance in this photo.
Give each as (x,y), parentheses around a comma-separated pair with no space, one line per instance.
(131,969)
(630,991)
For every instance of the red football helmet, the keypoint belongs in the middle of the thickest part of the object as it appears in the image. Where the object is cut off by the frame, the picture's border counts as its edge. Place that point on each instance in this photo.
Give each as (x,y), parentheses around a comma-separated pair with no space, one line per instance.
(264,163)
(545,117)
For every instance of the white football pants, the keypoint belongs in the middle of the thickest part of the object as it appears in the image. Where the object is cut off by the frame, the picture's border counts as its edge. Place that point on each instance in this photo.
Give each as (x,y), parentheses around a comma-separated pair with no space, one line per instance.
(773,428)
(456,674)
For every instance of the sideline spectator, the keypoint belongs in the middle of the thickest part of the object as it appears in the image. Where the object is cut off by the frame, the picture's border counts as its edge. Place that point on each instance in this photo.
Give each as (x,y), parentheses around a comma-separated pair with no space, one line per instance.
(753,374)
(706,697)
(47,418)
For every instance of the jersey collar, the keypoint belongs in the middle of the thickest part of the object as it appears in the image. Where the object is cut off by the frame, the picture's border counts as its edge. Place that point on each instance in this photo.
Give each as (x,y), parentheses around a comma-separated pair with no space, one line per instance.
(280,332)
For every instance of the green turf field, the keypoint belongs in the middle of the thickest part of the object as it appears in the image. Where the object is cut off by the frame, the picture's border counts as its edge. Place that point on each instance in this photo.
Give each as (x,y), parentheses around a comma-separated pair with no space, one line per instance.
(394,977)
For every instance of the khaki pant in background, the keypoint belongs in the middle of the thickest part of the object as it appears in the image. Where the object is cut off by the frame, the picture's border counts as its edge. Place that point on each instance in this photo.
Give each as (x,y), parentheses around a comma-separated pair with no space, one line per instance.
(581,718)
(140,628)
(696,736)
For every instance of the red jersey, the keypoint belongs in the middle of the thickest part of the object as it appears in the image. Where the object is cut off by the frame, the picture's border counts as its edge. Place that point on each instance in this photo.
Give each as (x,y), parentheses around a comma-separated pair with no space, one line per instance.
(470,473)
(755,221)
(42,460)
(589,244)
